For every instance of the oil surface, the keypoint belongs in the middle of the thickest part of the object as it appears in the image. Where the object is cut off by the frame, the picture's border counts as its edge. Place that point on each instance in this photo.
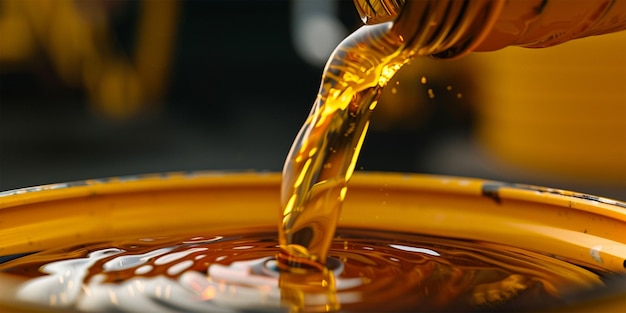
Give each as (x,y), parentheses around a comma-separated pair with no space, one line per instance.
(372,270)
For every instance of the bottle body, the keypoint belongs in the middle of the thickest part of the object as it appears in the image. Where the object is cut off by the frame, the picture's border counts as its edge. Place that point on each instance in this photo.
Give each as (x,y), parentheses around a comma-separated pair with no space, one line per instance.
(485,25)
(539,23)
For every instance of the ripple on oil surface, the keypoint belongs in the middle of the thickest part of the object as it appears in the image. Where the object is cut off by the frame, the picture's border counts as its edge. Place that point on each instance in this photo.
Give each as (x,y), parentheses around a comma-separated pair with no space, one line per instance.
(381,271)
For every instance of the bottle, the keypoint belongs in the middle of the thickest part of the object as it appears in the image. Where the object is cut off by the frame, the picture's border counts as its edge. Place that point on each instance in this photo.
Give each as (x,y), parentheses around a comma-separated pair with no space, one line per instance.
(452,28)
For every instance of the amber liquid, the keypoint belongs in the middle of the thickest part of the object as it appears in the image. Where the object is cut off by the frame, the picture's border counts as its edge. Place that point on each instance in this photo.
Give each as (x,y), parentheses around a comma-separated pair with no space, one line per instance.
(322,160)
(324,154)
(373,271)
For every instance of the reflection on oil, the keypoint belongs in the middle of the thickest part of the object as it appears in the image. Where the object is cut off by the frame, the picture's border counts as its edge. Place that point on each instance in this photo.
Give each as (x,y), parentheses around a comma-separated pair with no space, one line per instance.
(368,271)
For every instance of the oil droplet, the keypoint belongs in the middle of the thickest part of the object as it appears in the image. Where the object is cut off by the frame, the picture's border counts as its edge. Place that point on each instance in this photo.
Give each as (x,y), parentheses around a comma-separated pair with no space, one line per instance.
(459,95)
(431,94)
(448,88)
(423,80)
(394,90)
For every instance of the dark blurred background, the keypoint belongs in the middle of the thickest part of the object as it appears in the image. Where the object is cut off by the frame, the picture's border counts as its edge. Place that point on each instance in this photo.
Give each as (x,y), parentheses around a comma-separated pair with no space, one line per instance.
(102,88)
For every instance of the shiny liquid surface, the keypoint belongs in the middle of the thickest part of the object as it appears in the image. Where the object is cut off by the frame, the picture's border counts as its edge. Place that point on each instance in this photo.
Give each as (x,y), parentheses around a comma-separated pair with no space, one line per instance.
(371,270)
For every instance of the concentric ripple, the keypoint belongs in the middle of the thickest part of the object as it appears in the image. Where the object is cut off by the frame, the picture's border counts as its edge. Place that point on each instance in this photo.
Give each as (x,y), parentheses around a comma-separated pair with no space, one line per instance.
(373,271)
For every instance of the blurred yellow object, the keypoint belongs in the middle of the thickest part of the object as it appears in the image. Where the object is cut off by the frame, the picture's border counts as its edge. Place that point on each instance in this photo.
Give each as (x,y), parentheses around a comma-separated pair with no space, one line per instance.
(558,111)
(75,37)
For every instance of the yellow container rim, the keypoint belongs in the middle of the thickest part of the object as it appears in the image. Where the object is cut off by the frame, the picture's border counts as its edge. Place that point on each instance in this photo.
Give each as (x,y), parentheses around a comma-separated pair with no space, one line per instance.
(583,229)
(575,226)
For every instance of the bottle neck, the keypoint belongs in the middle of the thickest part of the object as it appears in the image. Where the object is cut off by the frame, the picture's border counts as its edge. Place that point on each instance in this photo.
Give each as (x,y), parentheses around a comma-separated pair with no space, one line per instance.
(378,11)
(446,28)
